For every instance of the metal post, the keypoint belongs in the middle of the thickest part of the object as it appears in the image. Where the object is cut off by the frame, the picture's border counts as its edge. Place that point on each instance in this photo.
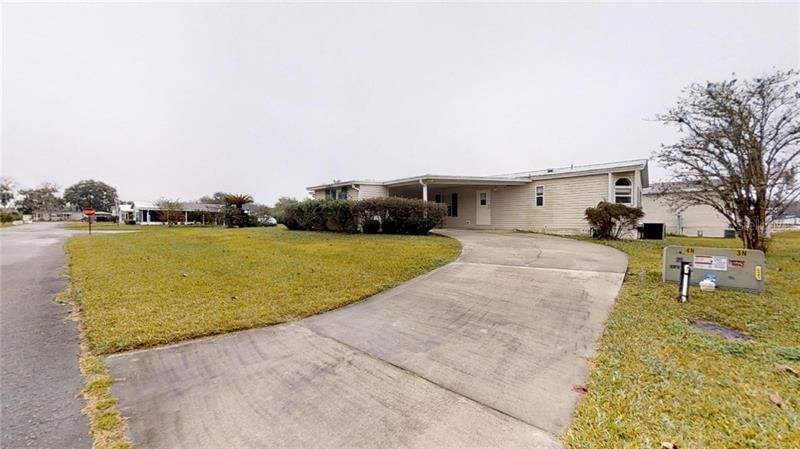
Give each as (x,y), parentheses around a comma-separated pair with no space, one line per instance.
(90,225)
(686,275)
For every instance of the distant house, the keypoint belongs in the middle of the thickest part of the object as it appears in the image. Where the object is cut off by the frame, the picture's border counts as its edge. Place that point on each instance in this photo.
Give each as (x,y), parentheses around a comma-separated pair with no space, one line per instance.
(681,219)
(550,201)
(787,222)
(149,213)
(65,214)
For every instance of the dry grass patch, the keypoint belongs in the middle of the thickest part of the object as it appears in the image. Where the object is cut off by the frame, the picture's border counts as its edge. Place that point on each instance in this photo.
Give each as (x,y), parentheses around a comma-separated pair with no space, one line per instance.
(171,284)
(655,379)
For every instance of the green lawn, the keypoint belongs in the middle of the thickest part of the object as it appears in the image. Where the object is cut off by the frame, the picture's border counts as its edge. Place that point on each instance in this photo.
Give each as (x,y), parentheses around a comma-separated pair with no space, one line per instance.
(657,380)
(170,284)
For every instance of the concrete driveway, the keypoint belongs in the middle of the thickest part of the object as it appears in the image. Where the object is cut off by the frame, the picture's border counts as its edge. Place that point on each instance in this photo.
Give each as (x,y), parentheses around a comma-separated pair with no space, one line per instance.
(483,352)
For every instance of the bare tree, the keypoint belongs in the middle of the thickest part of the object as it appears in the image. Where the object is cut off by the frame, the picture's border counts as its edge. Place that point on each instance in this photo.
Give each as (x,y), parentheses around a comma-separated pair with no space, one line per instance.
(738,150)
(171,211)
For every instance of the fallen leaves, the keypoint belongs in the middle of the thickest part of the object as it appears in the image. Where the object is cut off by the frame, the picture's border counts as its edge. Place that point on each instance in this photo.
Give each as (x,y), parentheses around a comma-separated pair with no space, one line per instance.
(787,368)
(776,399)
(580,388)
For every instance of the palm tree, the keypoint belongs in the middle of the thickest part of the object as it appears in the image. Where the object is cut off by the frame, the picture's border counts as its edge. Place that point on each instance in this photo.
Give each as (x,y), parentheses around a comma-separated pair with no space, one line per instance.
(235,216)
(238,200)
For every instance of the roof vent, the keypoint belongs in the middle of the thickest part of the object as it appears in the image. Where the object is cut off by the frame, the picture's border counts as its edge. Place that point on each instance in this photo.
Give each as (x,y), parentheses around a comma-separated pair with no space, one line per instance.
(549,170)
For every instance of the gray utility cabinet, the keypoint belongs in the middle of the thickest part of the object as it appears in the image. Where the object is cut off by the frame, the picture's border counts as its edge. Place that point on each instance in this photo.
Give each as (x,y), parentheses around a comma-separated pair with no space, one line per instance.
(740,269)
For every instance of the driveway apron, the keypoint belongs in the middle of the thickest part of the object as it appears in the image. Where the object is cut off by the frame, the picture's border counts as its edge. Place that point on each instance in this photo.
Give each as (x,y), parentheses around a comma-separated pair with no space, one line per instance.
(483,352)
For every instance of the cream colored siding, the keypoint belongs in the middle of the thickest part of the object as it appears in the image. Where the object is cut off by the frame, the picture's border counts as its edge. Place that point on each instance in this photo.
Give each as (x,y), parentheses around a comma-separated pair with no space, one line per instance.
(692,219)
(508,205)
(565,201)
(372,191)
(352,193)
(513,207)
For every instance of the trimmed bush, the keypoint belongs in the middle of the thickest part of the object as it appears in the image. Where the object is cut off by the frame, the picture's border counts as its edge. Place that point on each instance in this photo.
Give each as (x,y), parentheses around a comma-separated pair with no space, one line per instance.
(401,215)
(371,226)
(9,216)
(610,221)
(387,215)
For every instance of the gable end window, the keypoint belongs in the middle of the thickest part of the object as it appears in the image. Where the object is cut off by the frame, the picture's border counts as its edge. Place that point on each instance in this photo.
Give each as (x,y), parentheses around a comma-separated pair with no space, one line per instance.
(539,196)
(623,191)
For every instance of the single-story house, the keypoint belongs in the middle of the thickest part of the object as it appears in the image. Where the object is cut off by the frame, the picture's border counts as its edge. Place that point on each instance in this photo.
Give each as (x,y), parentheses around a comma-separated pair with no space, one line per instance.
(787,222)
(681,219)
(550,201)
(66,214)
(149,213)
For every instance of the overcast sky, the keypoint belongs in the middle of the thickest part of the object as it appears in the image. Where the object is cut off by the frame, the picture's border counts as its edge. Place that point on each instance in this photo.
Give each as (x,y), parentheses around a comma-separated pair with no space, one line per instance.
(183,100)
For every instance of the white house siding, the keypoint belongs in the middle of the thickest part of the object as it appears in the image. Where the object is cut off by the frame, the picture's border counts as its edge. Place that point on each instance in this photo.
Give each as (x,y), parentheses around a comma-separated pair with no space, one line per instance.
(513,207)
(565,202)
(352,193)
(693,219)
(368,191)
(507,203)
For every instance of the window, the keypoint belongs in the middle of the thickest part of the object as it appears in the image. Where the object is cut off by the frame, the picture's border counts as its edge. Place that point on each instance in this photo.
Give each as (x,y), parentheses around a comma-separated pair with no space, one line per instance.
(438,198)
(453,209)
(539,196)
(623,192)
(483,198)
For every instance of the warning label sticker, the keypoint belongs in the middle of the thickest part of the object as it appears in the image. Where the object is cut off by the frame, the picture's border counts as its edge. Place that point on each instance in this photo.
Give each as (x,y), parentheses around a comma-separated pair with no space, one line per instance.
(716,263)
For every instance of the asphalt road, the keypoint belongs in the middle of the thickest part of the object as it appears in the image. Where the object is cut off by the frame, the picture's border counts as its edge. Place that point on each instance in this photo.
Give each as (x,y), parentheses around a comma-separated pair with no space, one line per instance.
(481,353)
(39,376)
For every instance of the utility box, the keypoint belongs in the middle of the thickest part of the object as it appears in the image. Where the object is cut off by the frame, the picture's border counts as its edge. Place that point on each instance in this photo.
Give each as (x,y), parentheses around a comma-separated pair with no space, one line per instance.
(653,231)
(740,269)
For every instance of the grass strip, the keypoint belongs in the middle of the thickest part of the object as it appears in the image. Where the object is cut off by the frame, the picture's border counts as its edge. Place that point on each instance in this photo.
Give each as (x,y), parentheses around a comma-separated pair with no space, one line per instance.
(656,379)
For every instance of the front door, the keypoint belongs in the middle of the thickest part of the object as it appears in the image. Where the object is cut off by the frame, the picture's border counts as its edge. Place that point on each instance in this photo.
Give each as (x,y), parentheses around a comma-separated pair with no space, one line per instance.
(483,214)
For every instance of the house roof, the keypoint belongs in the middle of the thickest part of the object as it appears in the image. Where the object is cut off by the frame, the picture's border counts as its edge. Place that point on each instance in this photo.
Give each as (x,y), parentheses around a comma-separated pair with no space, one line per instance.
(507,179)
(582,170)
(190,207)
(445,179)
(345,184)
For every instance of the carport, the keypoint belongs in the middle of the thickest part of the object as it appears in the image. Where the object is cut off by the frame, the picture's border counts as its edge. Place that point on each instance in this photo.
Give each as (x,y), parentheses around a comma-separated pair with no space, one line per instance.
(468,198)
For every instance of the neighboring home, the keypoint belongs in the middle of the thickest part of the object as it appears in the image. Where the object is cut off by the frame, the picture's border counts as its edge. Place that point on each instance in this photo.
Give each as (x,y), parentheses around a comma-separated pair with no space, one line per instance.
(680,219)
(149,213)
(550,201)
(67,214)
(787,222)
(124,212)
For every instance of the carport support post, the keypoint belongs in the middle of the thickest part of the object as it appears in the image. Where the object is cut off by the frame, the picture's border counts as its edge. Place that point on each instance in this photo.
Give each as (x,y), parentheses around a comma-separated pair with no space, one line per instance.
(424,190)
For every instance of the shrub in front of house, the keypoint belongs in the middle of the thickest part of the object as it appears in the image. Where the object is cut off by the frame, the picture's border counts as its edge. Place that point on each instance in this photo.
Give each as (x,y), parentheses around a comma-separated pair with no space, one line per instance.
(401,215)
(387,215)
(9,216)
(610,221)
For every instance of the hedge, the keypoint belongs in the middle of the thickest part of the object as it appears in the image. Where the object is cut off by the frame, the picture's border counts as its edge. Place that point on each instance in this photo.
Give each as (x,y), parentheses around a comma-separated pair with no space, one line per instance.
(388,215)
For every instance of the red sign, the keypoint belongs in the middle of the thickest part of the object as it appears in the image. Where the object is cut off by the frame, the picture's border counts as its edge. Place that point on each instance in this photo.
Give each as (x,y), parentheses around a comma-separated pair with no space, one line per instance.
(88,212)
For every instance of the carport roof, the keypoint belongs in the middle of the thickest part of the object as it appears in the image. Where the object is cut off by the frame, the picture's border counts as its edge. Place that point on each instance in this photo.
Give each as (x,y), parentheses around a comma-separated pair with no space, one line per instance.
(431,179)
(506,179)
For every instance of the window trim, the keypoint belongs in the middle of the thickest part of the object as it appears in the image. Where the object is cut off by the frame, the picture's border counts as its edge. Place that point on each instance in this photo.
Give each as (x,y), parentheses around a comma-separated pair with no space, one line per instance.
(536,195)
(624,191)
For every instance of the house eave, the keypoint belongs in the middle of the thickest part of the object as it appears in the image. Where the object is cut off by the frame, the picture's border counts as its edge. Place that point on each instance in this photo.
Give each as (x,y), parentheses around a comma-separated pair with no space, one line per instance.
(344,184)
(457,180)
